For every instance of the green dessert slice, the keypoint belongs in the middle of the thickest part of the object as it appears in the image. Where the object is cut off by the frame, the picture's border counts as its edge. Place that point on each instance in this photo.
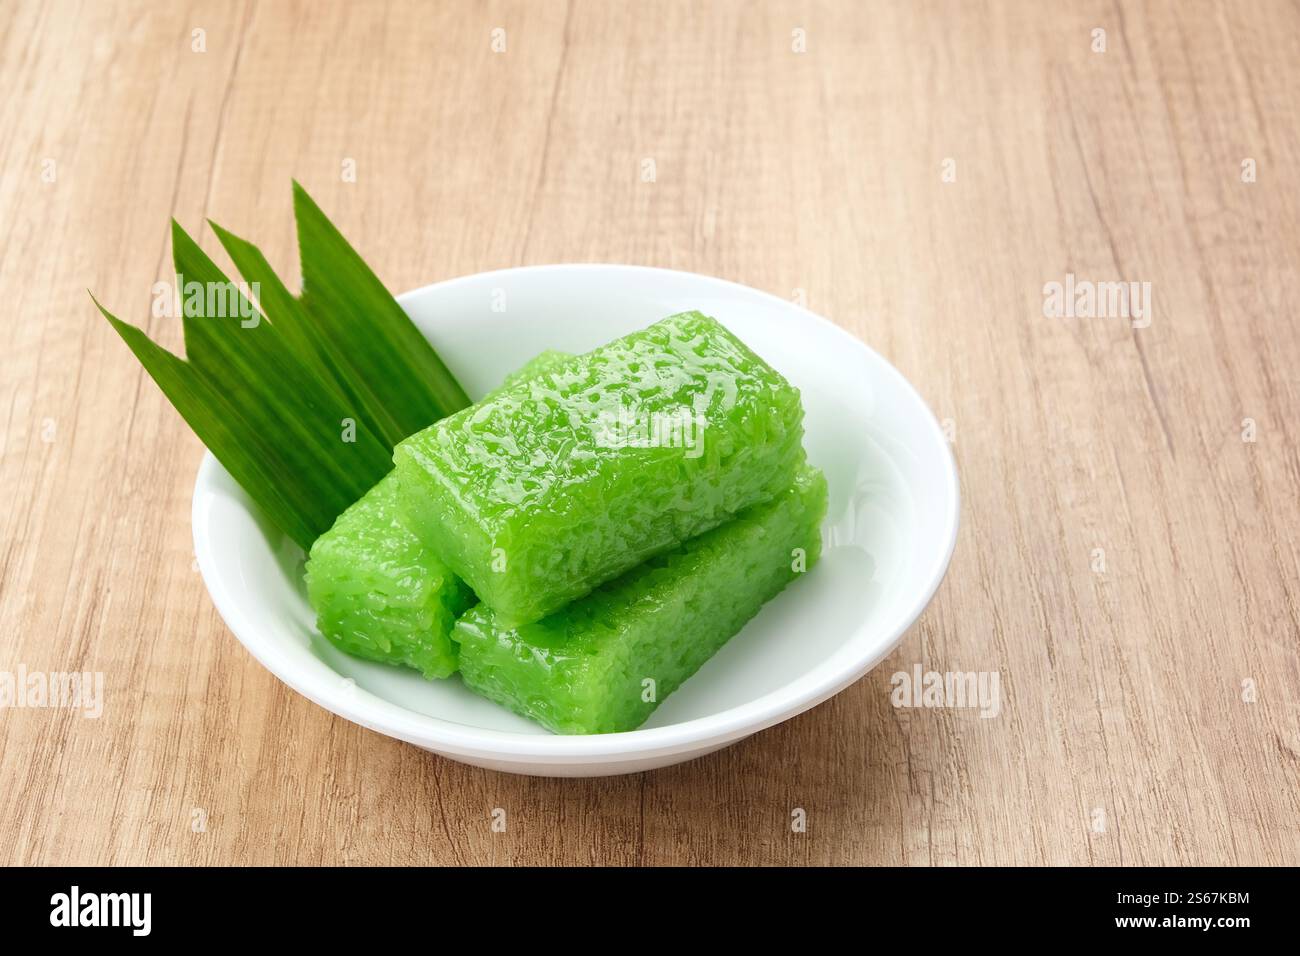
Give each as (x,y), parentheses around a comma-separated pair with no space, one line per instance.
(603,664)
(379,593)
(564,480)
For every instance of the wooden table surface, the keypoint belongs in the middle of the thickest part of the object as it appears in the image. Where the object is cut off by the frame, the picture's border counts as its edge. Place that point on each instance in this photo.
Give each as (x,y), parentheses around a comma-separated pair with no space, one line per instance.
(1127,561)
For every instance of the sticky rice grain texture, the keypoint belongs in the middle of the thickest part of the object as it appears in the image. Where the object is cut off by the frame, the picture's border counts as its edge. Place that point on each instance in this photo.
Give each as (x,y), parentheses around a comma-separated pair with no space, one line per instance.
(380,593)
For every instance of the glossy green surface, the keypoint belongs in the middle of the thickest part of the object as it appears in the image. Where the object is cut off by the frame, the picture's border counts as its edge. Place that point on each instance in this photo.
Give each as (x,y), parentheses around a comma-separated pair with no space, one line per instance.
(604,663)
(379,593)
(546,361)
(567,479)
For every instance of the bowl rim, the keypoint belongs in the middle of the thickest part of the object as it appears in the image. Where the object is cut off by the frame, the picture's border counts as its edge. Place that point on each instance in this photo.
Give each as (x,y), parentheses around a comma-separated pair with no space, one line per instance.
(806,691)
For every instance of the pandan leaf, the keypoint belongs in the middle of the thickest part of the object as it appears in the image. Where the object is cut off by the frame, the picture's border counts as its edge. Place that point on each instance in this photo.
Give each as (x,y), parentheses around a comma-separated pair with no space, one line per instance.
(395,376)
(247,457)
(282,395)
(280,305)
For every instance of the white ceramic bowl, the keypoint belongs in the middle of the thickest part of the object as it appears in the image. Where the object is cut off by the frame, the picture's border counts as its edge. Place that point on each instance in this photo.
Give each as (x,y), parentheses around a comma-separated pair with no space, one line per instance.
(888,535)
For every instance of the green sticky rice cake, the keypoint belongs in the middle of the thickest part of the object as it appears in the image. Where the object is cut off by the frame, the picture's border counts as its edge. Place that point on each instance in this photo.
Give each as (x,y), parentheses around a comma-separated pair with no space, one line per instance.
(572,476)
(379,593)
(605,662)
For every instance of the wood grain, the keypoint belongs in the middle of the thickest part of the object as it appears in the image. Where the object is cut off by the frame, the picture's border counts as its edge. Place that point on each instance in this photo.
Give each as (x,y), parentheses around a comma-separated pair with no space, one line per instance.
(1150,710)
